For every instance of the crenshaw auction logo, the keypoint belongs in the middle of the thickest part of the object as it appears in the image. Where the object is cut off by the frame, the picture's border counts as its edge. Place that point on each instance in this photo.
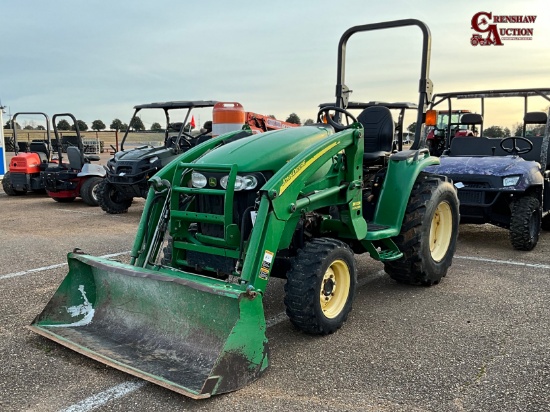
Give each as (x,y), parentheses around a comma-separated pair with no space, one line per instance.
(486,23)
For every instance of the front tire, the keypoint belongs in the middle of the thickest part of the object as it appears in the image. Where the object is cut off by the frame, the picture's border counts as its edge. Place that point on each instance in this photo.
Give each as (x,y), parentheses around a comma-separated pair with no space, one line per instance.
(320,286)
(428,234)
(111,200)
(525,223)
(88,191)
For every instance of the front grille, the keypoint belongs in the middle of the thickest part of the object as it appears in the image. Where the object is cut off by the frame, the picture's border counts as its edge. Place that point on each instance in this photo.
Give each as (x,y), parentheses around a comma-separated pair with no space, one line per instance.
(476,185)
(470,196)
(124,169)
(215,205)
(473,196)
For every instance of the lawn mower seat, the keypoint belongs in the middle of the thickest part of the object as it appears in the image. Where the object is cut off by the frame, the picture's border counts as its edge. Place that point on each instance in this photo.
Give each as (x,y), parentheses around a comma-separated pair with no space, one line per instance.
(76,160)
(41,149)
(379,127)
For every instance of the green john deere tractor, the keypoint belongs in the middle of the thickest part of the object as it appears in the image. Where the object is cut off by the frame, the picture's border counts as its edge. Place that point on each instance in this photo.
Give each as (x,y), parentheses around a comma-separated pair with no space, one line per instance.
(220,220)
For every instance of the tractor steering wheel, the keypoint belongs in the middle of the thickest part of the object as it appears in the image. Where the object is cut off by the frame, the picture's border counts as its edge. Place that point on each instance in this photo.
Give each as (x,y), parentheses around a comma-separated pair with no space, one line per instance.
(515,149)
(324,116)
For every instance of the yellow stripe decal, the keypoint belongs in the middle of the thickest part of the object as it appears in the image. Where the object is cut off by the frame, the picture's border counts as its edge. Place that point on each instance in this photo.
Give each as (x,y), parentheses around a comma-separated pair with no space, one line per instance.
(298,170)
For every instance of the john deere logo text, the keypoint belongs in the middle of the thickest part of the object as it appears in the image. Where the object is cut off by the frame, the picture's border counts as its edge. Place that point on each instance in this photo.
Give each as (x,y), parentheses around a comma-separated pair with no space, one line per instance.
(494,30)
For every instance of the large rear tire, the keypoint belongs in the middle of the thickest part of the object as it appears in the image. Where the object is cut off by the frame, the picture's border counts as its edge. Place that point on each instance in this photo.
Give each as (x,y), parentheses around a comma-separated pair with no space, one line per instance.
(111,200)
(88,191)
(525,223)
(428,234)
(8,188)
(320,286)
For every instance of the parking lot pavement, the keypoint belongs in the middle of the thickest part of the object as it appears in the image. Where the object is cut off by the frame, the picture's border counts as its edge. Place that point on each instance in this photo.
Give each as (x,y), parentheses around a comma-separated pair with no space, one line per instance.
(479,341)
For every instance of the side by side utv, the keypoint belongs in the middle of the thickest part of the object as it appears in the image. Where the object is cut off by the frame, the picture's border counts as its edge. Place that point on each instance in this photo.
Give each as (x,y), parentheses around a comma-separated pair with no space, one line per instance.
(501,181)
(228,214)
(129,170)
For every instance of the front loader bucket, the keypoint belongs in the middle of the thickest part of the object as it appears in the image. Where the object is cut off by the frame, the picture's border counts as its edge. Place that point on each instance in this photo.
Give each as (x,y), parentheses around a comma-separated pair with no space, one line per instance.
(191,334)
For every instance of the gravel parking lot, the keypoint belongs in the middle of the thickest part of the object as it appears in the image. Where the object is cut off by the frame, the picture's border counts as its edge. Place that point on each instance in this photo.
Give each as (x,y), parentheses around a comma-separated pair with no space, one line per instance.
(479,341)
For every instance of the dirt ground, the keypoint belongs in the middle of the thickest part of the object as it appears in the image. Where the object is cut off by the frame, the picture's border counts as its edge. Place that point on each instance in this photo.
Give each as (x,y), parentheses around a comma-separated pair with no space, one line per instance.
(478,341)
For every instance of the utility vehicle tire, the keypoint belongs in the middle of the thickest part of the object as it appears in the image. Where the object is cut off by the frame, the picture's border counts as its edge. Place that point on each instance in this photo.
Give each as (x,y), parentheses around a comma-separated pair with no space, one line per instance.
(428,233)
(525,223)
(88,191)
(8,188)
(320,286)
(110,199)
(64,199)
(546,222)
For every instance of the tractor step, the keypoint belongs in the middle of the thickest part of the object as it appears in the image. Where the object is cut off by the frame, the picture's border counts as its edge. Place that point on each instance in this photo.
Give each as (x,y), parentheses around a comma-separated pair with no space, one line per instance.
(383,249)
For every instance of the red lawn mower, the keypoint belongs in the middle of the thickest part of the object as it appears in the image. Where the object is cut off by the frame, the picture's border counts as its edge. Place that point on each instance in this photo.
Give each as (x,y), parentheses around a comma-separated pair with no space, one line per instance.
(29,161)
(79,178)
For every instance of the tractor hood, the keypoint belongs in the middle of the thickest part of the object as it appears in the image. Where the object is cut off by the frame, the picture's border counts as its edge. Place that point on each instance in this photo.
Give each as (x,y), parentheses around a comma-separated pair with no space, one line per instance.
(490,169)
(486,165)
(267,151)
(144,152)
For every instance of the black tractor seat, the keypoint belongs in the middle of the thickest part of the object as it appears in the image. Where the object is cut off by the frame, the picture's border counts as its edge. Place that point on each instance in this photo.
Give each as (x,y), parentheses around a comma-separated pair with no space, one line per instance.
(379,127)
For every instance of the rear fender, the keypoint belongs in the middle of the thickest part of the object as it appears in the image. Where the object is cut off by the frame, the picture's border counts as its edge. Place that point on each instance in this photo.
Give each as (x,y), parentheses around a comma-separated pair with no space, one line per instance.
(403,170)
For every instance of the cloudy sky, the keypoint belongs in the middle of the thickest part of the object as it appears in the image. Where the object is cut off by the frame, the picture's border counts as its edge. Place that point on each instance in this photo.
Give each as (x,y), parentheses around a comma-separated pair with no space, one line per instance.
(97,59)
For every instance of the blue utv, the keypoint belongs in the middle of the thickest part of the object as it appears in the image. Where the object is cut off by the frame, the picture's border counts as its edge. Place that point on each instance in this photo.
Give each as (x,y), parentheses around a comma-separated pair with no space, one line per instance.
(501,181)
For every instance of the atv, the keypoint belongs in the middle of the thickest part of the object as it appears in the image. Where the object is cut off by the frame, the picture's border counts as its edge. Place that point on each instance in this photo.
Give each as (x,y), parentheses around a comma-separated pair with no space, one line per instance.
(129,170)
(501,181)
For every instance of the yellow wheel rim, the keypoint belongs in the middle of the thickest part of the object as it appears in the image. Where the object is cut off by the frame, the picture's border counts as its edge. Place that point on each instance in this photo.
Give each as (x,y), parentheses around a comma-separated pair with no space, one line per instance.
(441,231)
(335,289)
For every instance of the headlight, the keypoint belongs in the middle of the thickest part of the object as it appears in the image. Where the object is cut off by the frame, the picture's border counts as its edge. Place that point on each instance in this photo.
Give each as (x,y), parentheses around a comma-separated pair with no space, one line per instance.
(241,182)
(198,180)
(153,159)
(510,180)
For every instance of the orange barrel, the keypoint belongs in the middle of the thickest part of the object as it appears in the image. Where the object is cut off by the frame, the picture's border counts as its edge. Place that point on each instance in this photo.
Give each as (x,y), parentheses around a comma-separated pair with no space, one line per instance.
(227,117)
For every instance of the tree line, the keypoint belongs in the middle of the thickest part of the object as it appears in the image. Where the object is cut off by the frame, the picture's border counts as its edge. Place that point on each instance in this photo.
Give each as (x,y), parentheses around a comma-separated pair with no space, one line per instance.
(136,124)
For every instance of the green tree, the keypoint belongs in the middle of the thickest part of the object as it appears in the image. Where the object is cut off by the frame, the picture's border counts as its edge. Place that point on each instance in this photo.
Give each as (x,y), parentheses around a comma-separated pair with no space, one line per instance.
(40,127)
(63,125)
(82,126)
(123,127)
(308,122)
(156,127)
(137,124)
(412,127)
(28,127)
(8,125)
(493,131)
(116,124)
(507,132)
(518,129)
(98,125)
(293,118)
